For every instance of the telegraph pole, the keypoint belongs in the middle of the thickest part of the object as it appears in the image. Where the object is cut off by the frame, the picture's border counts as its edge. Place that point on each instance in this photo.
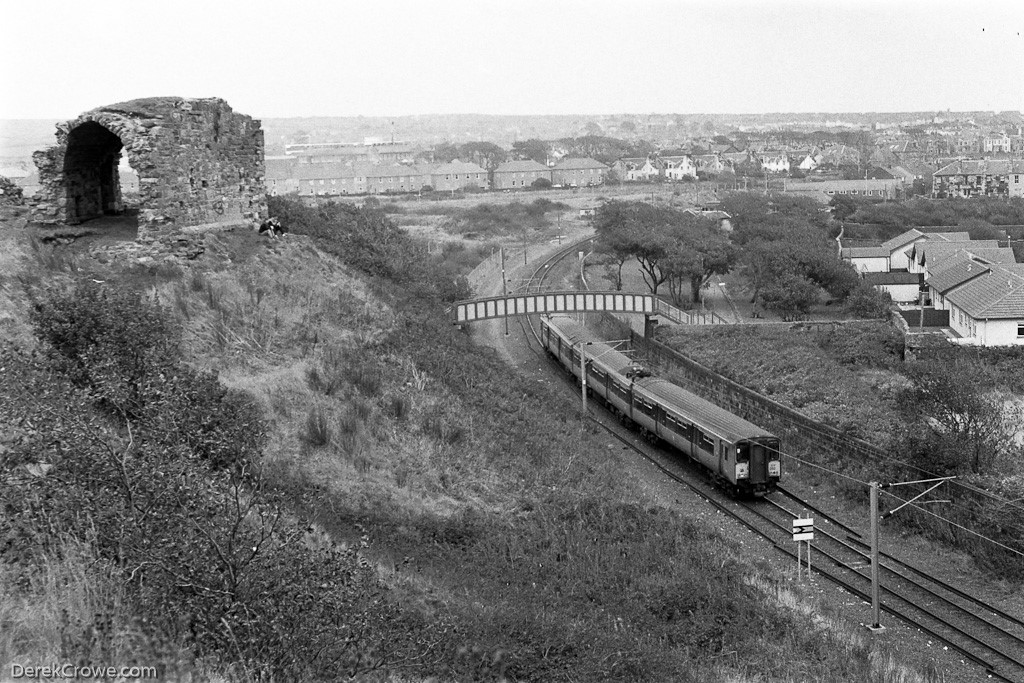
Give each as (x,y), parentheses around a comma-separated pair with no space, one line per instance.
(876,624)
(504,289)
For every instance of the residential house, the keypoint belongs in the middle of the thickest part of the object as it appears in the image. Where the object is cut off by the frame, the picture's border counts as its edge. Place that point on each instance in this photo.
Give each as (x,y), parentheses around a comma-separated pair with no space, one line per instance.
(996,143)
(578,172)
(824,190)
(980,178)
(456,175)
(840,155)
(988,310)
(902,287)
(928,254)
(810,161)
(949,275)
(280,176)
(894,255)
(519,174)
(708,164)
(774,162)
(678,168)
(636,169)
(867,259)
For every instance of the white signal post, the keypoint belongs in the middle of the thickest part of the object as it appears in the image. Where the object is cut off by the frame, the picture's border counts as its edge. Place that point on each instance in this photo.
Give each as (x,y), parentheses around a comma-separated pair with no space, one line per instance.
(803,532)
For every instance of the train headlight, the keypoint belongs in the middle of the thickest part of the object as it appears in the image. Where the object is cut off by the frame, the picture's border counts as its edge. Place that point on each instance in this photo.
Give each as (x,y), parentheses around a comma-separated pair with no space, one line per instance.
(774,468)
(742,470)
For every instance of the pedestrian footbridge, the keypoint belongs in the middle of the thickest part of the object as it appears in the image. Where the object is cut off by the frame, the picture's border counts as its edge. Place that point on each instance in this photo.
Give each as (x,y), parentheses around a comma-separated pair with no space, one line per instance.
(551,302)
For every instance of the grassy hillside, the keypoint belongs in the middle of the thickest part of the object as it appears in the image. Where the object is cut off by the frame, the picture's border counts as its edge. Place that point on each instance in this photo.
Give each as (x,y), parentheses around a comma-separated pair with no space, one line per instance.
(394,504)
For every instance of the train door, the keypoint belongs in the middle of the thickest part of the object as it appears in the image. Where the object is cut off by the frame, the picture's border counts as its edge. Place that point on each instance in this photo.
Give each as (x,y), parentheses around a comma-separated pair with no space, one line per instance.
(758,463)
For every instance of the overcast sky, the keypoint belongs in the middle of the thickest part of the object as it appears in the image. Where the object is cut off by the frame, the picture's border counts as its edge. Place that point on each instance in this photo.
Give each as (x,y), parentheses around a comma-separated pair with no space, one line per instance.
(395,57)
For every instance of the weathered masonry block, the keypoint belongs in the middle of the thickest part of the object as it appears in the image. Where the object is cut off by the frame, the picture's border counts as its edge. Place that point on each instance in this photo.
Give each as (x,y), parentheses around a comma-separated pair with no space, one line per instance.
(200,166)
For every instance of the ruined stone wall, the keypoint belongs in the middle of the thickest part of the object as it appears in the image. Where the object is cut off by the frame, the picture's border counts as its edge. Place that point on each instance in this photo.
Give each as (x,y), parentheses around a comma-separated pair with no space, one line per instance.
(200,165)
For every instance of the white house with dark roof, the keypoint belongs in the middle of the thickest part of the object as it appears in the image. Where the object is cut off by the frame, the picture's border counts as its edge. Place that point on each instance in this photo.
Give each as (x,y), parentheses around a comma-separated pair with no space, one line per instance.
(901,286)
(774,162)
(867,259)
(678,167)
(894,254)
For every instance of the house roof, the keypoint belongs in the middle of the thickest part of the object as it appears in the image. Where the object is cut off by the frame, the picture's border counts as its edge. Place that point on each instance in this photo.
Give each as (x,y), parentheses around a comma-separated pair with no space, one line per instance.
(997,294)
(457,166)
(358,170)
(735,156)
(903,239)
(279,168)
(578,163)
(955,272)
(526,165)
(949,236)
(934,252)
(865,252)
(982,167)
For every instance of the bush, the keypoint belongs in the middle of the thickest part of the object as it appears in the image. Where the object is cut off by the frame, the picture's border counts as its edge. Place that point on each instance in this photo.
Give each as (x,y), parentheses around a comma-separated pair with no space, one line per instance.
(317,432)
(125,353)
(866,301)
(541,184)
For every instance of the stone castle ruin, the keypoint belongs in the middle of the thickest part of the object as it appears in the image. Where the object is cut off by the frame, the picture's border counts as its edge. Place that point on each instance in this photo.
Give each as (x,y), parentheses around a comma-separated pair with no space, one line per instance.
(200,166)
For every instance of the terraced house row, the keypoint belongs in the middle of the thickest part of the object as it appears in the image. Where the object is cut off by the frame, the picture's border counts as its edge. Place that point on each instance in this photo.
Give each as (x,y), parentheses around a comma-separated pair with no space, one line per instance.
(980,178)
(287,175)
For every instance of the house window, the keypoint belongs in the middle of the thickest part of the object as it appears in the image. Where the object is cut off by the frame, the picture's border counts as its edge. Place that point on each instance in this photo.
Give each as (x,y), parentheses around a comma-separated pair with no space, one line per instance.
(1020,329)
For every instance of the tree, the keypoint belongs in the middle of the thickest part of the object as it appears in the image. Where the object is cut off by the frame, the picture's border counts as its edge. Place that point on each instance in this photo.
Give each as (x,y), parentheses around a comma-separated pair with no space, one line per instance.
(764,262)
(533,148)
(486,154)
(958,400)
(541,184)
(700,252)
(670,245)
(637,228)
(790,296)
(445,152)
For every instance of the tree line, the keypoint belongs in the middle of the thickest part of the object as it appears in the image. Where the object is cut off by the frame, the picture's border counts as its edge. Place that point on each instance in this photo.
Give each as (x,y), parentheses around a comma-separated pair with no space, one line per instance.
(782,245)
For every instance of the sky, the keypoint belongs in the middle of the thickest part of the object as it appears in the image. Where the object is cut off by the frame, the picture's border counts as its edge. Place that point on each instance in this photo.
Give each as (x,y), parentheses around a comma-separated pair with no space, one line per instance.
(400,57)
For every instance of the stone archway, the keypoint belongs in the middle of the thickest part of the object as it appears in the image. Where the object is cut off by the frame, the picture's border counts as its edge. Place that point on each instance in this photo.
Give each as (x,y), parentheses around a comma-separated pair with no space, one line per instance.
(199,165)
(91,181)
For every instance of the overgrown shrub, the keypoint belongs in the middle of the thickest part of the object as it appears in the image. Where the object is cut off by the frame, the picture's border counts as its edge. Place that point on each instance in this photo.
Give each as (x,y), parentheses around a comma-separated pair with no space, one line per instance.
(317,432)
(126,353)
(164,486)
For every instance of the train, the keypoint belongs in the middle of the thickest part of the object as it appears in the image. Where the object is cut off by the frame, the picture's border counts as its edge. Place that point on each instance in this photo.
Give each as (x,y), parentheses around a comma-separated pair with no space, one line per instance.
(741,457)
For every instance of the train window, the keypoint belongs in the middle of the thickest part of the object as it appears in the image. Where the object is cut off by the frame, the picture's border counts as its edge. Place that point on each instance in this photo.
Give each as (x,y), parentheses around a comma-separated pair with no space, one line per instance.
(773,449)
(644,407)
(705,442)
(619,390)
(743,452)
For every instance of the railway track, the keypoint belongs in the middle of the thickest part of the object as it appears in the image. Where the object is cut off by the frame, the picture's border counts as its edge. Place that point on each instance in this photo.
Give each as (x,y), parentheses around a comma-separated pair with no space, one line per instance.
(982,633)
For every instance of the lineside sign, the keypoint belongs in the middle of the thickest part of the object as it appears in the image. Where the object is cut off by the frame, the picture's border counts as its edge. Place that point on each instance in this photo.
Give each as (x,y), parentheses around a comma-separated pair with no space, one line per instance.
(551,302)
(803,529)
